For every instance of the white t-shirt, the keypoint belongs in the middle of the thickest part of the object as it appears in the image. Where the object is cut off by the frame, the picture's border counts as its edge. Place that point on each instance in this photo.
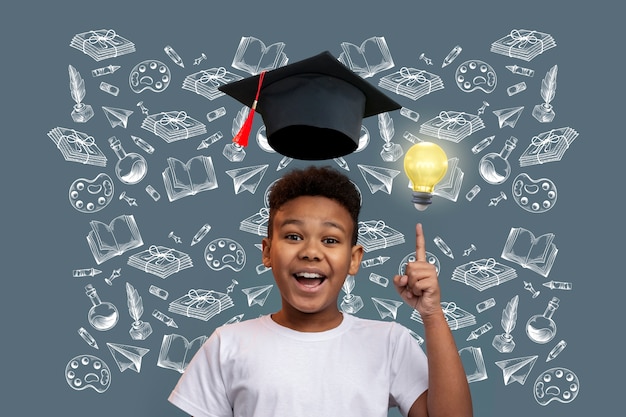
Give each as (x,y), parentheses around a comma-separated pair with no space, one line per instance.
(260,368)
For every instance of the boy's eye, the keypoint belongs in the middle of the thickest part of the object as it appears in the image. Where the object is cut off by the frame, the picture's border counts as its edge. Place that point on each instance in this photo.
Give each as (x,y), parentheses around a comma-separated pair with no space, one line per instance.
(292,236)
(330,240)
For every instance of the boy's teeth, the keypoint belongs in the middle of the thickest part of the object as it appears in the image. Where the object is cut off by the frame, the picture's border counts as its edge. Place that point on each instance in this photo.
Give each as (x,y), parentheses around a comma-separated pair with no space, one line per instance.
(309,275)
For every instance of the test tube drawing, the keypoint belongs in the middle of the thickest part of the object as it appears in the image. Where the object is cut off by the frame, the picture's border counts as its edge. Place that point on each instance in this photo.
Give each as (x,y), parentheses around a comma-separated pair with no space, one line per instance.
(379,279)
(472,193)
(485,305)
(152,192)
(410,114)
(216,114)
(109,88)
(158,292)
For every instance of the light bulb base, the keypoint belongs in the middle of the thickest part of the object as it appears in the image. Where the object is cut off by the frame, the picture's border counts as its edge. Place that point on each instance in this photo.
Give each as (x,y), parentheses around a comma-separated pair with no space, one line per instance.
(421,200)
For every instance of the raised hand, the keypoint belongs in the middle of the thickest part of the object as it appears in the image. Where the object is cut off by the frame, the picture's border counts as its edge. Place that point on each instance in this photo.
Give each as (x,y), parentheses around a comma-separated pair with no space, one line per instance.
(419,286)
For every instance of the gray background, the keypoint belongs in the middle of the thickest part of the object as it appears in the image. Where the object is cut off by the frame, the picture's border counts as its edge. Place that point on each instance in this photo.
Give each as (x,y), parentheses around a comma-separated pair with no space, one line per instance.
(44,238)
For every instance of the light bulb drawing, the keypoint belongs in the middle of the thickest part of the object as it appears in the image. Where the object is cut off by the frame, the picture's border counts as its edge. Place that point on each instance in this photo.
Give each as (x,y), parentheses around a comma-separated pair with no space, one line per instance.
(425,163)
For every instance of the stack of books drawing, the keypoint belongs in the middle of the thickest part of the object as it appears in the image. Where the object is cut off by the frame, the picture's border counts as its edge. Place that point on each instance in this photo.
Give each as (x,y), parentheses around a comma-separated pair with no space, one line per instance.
(257,223)
(456,317)
(160,261)
(548,146)
(113,239)
(450,185)
(523,44)
(483,273)
(102,44)
(411,82)
(184,179)
(206,82)
(375,234)
(452,125)
(201,304)
(172,126)
(77,146)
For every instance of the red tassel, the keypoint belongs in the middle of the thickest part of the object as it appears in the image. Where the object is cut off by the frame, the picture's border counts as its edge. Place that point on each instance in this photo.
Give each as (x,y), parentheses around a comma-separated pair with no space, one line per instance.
(244,132)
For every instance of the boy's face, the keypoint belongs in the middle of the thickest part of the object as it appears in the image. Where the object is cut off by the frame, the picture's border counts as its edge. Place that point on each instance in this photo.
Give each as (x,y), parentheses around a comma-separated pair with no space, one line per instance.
(311,253)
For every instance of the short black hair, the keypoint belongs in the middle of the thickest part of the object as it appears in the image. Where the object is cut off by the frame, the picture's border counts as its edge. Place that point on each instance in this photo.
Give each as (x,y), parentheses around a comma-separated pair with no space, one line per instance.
(314,180)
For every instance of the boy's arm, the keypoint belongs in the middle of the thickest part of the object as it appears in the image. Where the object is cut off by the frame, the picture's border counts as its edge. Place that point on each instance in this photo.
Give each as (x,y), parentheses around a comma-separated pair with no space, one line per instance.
(448,390)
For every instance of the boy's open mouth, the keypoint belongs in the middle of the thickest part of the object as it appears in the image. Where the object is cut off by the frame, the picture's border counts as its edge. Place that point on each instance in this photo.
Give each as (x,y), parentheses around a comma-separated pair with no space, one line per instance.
(309,279)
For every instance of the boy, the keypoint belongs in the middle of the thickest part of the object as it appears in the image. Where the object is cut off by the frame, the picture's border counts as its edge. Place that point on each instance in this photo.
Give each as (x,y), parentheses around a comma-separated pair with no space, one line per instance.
(310,359)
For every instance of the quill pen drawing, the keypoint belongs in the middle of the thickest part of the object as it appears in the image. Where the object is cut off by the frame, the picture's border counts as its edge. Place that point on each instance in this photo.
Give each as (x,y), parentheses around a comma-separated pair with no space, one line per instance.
(240,119)
(548,85)
(77,85)
(509,315)
(385,125)
(135,305)
(348,284)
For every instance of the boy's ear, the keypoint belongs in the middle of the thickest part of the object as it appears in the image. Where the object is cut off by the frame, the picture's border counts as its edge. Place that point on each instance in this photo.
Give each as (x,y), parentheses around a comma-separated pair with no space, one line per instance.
(355,259)
(266,243)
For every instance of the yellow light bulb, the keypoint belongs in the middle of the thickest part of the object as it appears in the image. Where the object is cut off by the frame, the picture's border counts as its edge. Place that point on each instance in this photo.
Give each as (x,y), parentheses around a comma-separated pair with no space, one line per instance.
(425,163)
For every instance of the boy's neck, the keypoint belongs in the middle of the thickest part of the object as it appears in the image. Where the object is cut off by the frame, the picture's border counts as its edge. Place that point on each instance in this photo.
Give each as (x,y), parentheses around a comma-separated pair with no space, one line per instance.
(308,322)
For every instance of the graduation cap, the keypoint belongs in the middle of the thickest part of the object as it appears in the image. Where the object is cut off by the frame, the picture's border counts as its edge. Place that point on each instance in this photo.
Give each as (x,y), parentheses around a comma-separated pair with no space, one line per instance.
(313,109)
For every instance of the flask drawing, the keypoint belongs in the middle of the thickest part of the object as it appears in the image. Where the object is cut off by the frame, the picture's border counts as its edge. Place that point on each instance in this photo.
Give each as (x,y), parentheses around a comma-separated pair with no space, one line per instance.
(494,167)
(540,328)
(102,315)
(130,167)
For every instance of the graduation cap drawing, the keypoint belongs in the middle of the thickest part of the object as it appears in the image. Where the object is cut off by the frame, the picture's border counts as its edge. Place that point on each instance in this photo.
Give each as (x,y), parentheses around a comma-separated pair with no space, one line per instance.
(312,109)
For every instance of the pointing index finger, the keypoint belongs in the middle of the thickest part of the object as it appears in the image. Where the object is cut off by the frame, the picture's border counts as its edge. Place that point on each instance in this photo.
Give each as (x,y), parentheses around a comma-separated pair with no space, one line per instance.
(420,243)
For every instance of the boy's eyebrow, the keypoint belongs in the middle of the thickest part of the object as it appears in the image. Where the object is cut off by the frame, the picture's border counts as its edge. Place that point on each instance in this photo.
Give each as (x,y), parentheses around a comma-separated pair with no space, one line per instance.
(327,223)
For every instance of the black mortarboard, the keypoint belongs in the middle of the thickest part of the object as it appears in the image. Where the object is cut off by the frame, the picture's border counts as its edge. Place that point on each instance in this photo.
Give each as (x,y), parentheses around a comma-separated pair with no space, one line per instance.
(313,109)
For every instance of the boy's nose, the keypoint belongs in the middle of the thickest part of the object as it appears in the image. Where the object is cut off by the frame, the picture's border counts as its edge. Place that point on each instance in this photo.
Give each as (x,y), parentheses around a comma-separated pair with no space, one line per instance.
(311,251)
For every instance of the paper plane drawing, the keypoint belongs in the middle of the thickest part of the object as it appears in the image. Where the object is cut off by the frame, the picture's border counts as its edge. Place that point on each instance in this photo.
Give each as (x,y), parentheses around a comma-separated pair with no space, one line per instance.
(117,117)
(248,178)
(257,295)
(127,357)
(378,178)
(508,117)
(386,308)
(517,369)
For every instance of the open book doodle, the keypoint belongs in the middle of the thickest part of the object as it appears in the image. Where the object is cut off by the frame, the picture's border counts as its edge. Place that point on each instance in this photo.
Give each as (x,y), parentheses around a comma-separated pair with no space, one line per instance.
(450,185)
(176,351)
(109,240)
(184,179)
(254,57)
(368,59)
(534,253)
